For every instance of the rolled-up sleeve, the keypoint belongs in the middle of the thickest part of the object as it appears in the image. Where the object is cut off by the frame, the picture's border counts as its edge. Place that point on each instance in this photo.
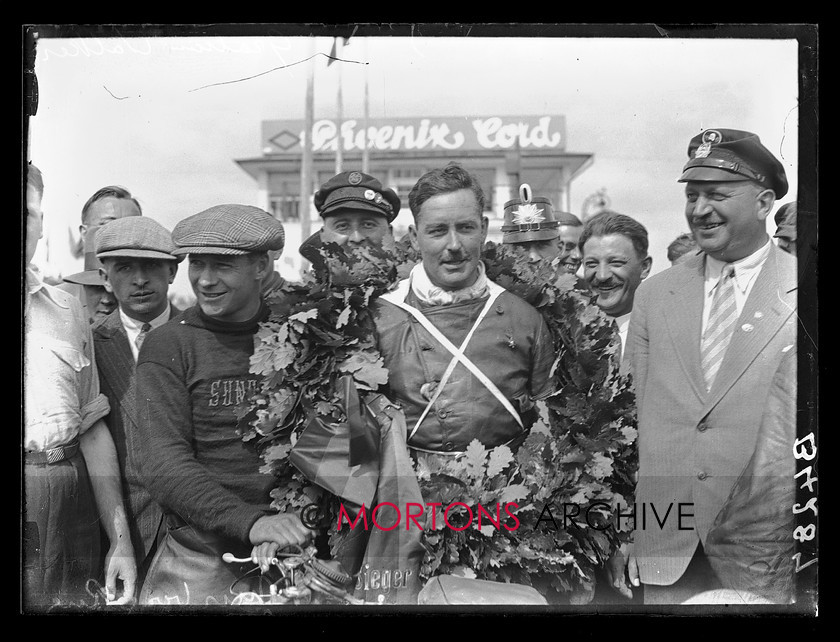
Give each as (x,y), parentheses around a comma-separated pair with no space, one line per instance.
(93,404)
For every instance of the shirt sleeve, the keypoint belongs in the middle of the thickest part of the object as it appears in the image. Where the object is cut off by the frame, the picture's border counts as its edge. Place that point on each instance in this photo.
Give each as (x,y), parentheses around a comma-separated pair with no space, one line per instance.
(93,405)
(169,468)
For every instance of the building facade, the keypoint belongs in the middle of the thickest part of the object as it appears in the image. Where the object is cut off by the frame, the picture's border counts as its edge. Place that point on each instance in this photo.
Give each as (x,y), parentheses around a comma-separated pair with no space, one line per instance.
(502,151)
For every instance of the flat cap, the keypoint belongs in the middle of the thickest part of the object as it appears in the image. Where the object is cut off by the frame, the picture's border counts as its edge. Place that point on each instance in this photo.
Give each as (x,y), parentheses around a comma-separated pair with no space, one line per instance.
(733,155)
(135,236)
(786,221)
(228,229)
(356,191)
(529,218)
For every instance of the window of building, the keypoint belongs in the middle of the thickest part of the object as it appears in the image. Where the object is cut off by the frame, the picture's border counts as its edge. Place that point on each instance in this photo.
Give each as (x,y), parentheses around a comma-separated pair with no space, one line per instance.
(285,209)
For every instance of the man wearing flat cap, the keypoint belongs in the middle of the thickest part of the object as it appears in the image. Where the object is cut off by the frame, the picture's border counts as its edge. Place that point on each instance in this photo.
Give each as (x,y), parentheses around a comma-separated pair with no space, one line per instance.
(705,341)
(356,209)
(137,266)
(192,374)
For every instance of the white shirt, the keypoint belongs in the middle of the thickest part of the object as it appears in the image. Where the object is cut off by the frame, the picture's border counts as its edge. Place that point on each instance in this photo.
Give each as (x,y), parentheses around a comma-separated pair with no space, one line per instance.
(133,326)
(623,323)
(746,271)
(61,387)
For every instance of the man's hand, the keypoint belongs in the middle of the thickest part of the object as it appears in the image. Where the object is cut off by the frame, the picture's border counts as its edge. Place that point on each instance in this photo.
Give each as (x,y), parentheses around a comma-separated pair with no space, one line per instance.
(120,564)
(623,560)
(271,533)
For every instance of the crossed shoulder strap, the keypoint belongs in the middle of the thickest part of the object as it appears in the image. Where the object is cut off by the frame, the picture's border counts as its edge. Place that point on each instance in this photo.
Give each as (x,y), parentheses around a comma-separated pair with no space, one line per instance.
(397,297)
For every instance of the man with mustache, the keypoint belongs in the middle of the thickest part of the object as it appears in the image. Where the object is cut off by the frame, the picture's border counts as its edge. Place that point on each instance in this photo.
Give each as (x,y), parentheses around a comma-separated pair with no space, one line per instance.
(137,266)
(466,359)
(615,262)
(706,338)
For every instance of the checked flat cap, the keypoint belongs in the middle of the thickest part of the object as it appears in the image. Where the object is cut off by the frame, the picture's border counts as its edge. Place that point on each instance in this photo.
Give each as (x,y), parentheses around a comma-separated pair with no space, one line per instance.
(135,236)
(733,155)
(228,229)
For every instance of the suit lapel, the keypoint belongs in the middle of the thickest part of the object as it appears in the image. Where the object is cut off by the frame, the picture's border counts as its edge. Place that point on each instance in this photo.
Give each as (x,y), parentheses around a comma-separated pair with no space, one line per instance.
(115,361)
(684,320)
(771,302)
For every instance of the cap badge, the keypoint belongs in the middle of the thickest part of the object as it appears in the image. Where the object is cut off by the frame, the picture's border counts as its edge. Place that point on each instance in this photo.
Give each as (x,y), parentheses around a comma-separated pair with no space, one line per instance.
(710,137)
(527,214)
(370,194)
(355,178)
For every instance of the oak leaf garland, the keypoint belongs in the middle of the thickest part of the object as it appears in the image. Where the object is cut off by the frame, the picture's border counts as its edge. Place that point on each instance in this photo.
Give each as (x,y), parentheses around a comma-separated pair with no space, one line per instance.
(581,452)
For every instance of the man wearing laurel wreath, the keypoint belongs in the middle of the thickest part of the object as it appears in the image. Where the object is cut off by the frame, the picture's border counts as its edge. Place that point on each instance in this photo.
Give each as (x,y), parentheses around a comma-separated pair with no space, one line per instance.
(191,374)
(531,223)
(466,358)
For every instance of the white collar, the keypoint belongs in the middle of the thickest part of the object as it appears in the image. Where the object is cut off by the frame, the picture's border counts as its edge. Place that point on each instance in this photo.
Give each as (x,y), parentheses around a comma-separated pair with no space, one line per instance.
(745,268)
(136,326)
(622,321)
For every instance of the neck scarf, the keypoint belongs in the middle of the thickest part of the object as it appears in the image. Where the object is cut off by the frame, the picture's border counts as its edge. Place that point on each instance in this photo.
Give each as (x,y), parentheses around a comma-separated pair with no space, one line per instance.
(430,294)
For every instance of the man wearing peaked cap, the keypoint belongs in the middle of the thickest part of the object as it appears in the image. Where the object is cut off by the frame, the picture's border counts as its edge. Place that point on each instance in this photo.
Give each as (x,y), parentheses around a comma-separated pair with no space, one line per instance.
(192,375)
(706,338)
(731,155)
(137,266)
(355,208)
(529,222)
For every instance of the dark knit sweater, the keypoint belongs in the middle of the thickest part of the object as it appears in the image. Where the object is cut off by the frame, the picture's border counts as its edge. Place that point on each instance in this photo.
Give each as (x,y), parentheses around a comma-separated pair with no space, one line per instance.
(191,375)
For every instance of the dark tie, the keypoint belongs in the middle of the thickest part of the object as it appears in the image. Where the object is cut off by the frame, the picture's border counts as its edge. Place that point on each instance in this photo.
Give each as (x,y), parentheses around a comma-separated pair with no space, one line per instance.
(142,336)
(722,318)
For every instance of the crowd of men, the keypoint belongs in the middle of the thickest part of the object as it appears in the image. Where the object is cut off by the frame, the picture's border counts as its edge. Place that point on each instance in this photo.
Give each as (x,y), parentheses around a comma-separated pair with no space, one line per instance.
(129,432)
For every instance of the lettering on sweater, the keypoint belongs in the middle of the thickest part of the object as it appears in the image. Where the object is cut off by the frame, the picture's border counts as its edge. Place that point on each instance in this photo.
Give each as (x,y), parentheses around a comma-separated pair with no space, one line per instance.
(231,392)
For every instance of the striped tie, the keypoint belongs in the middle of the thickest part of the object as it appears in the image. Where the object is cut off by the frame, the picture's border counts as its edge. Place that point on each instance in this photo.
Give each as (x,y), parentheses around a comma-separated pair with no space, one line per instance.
(722,320)
(142,336)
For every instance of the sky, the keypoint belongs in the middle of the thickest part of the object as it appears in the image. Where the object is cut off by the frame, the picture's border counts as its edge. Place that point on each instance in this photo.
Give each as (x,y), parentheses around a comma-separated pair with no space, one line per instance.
(166,117)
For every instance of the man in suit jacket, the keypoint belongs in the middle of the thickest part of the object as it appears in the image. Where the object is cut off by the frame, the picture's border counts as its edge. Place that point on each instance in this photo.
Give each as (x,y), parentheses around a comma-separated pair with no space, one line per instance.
(138,267)
(615,262)
(702,369)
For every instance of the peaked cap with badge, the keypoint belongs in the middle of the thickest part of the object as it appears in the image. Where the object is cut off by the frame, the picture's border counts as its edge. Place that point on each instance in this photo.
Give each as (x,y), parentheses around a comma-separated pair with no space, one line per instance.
(529,218)
(733,155)
(228,229)
(356,191)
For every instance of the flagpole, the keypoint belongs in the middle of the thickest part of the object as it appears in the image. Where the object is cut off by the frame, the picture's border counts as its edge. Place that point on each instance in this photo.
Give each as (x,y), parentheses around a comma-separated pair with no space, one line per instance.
(339,149)
(306,159)
(366,118)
